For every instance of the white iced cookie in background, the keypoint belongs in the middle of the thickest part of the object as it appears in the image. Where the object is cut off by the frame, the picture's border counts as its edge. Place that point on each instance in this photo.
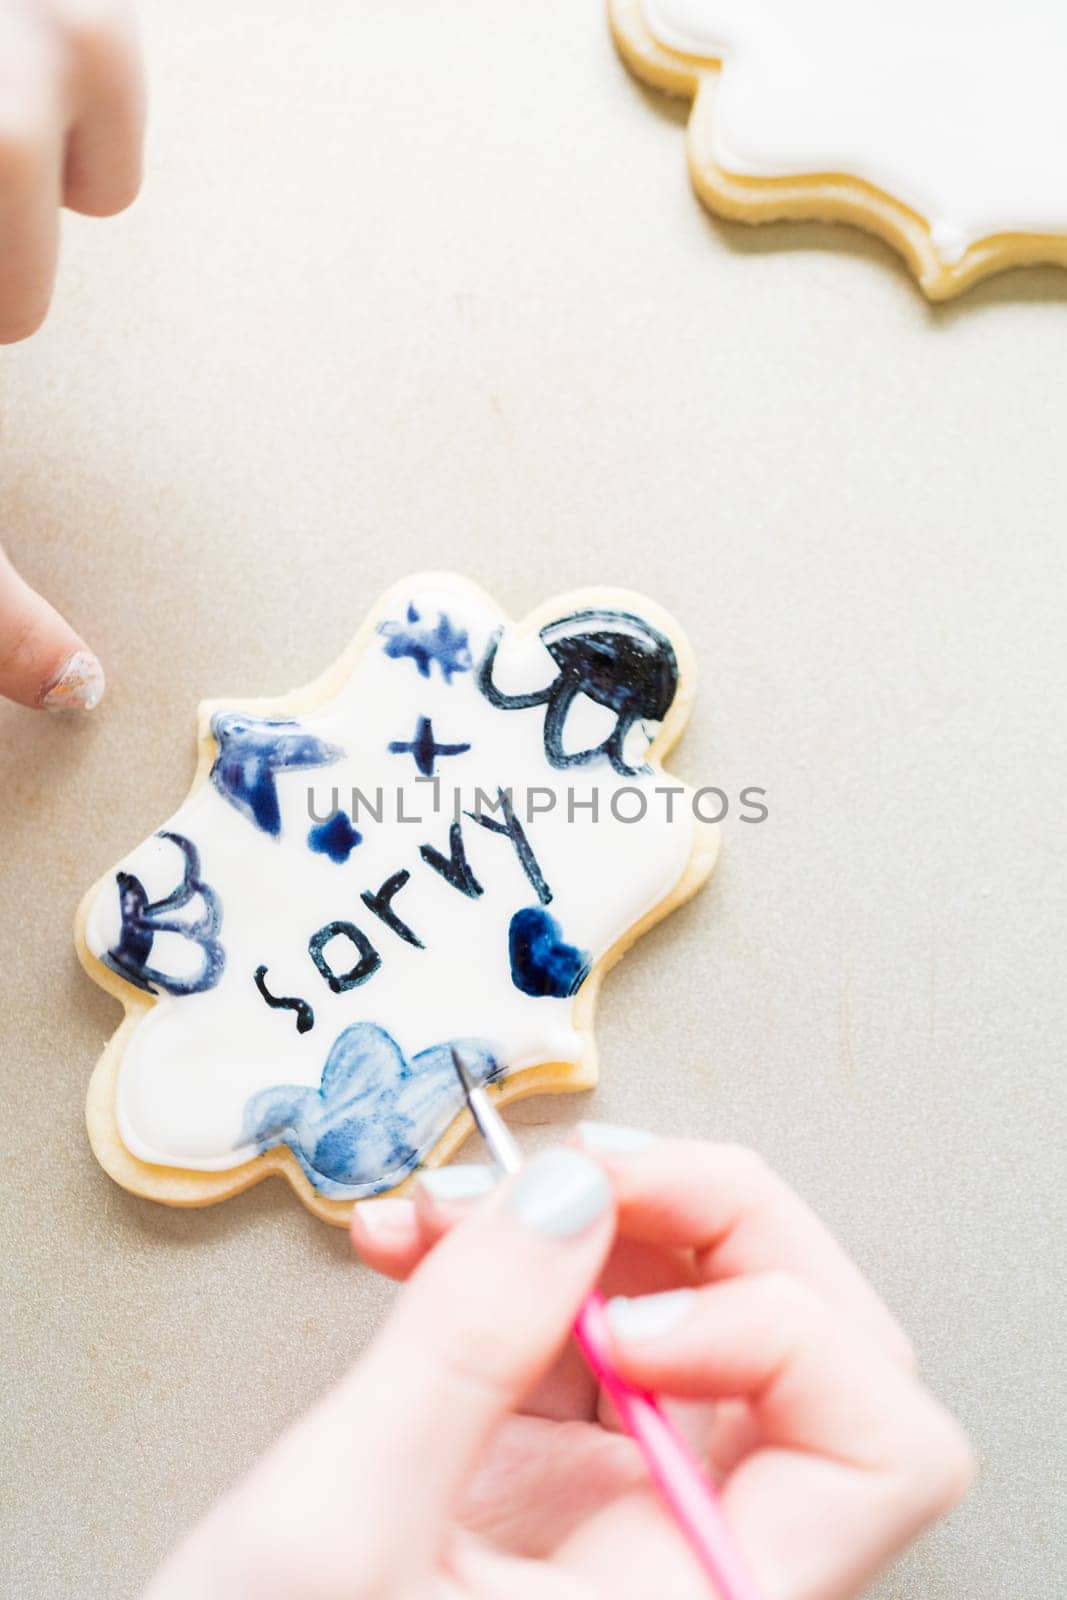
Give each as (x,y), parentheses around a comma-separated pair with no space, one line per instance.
(447,838)
(939,125)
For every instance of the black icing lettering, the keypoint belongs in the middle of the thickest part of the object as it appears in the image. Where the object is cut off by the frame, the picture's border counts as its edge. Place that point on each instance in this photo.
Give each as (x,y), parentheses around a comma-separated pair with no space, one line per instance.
(381,903)
(305,1017)
(454,868)
(512,828)
(368,963)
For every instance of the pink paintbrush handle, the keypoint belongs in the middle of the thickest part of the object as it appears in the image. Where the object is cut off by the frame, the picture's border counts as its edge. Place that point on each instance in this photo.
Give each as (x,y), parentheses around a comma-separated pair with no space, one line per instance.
(677,1473)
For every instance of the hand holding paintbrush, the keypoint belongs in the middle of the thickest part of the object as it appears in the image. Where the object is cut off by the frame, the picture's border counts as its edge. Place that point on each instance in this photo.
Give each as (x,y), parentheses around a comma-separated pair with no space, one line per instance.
(461,1456)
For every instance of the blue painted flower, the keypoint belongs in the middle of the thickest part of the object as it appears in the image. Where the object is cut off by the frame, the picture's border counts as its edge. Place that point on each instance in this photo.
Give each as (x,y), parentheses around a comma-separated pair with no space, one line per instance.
(427,642)
(335,837)
(141,919)
(375,1114)
(252,751)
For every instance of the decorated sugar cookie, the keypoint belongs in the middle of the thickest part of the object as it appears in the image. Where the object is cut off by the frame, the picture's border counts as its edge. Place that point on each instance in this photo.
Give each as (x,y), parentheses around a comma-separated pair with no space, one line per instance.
(941,127)
(447,838)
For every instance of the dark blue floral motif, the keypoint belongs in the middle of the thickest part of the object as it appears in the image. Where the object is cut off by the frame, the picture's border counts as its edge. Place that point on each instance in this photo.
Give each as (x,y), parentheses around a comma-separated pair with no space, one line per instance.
(375,1114)
(424,747)
(252,751)
(542,962)
(426,642)
(335,837)
(142,919)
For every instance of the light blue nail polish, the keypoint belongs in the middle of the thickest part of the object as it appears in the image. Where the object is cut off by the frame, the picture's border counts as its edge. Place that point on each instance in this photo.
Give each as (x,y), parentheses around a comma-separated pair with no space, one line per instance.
(612,1138)
(560,1192)
(461,1182)
(646,1316)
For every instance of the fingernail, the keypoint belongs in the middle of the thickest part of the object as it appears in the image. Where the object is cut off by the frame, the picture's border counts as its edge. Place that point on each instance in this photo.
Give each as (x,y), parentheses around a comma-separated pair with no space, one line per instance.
(461,1182)
(646,1316)
(612,1137)
(77,686)
(385,1218)
(560,1193)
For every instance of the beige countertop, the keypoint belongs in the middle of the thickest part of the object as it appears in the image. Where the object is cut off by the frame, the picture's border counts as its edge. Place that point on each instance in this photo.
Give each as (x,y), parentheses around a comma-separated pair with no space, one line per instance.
(425,285)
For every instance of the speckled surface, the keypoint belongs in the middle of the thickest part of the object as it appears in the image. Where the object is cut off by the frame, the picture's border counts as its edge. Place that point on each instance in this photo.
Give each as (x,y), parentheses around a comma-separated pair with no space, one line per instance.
(425,285)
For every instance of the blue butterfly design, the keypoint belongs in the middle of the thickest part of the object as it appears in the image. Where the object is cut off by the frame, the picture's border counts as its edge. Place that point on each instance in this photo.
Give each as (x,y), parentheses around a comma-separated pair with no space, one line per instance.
(252,751)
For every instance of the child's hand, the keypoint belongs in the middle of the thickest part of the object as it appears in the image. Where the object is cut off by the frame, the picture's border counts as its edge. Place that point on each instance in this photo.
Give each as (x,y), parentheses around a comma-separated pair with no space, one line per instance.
(71,123)
(43,662)
(71,120)
(462,1456)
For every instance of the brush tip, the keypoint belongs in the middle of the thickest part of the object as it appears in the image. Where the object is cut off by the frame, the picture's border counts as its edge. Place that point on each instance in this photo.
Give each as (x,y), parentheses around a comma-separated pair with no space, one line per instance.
(463,1071)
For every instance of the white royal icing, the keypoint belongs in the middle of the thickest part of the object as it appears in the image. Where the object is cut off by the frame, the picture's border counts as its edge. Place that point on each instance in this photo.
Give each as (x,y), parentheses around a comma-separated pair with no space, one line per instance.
(954,108)
(254,898)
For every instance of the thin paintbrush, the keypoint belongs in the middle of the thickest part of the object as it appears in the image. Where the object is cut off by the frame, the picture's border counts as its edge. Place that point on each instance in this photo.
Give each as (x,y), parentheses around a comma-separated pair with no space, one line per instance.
(685,1486)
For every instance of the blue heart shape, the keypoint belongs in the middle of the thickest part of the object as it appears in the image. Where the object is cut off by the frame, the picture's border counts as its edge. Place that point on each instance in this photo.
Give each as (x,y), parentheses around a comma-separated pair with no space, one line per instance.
(542,962)
(373,1117)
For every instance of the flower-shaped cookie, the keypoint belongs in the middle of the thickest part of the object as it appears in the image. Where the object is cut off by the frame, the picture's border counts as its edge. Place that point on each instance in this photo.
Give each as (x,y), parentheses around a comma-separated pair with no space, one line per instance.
(941,127)
(447,838)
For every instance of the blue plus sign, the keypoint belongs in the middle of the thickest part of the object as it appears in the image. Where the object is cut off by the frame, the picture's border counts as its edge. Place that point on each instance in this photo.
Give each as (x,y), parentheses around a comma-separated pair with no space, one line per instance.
(424,747)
